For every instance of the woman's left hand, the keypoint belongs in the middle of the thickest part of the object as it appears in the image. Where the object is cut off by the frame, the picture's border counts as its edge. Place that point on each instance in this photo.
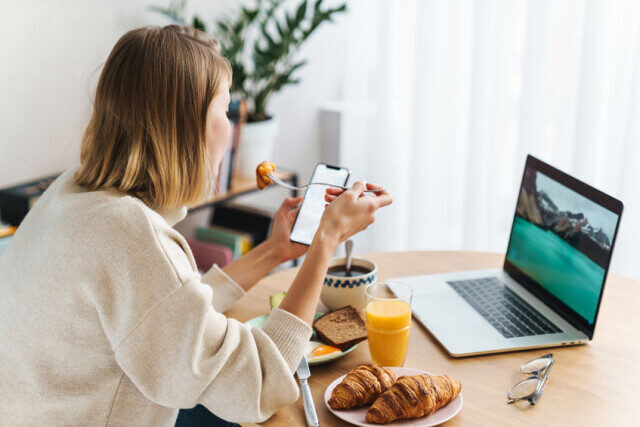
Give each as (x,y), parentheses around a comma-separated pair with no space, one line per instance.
(253,266)
(283,221)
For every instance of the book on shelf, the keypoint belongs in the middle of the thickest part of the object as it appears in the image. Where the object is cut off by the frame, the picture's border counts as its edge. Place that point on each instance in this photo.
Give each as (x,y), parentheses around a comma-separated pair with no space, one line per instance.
(239,242)
(206,254)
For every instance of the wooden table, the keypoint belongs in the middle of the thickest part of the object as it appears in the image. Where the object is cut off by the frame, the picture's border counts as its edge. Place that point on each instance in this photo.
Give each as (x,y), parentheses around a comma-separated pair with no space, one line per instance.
(593,384)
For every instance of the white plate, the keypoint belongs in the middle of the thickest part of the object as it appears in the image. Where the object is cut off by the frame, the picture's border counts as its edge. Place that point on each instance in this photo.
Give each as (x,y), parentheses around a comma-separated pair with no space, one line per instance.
(258,322)
(356,416)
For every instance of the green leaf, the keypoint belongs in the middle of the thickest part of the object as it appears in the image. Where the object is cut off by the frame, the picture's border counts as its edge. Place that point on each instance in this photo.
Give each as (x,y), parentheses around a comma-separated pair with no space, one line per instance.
(251,15)
(257,49)
(199,24)
(223,27)
(268,37)
(301,12)
(298,65)
(265,64)
(269,13)
(281,32)
(290,22)
(238,27)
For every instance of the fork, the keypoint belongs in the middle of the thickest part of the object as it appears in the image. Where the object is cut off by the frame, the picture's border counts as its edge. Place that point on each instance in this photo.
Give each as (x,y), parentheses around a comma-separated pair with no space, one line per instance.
(291,187)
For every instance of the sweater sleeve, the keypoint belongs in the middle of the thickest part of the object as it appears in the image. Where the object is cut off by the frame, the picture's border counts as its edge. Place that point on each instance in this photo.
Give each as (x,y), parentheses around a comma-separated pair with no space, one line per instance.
(225,289)
(184,353)
(168,335)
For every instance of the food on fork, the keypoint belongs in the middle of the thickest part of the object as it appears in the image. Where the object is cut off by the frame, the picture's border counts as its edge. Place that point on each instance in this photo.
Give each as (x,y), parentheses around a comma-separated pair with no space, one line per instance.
(342,328)
(363,385)
(413,397)
(262,174)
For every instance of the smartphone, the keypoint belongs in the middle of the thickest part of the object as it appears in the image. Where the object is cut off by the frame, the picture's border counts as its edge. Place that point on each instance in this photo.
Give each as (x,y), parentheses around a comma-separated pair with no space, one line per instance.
(313,203)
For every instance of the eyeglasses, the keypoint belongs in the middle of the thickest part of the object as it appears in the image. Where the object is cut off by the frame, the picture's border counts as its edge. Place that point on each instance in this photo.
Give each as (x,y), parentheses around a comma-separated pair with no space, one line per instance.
(531,389)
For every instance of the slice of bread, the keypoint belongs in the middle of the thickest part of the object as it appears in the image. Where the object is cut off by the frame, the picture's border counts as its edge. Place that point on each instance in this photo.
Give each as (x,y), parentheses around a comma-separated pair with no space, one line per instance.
(341,328)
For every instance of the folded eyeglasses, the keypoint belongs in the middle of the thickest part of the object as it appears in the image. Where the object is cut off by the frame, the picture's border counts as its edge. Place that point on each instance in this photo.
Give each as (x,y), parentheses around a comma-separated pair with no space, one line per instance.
(531,388)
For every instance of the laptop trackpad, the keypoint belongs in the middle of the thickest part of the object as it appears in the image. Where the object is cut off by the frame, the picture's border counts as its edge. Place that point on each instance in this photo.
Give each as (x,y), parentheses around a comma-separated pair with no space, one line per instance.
(447,309)
(452,320)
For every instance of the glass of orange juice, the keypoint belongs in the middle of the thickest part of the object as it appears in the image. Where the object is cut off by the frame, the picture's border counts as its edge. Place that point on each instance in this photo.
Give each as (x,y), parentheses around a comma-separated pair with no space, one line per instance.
(388,318)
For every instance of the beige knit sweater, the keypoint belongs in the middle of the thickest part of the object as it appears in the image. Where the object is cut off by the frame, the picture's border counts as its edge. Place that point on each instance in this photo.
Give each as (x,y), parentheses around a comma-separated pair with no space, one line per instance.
(104,319)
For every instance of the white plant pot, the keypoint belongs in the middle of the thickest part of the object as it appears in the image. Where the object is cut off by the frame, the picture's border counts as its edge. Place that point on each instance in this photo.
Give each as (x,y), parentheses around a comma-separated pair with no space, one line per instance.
(255,145)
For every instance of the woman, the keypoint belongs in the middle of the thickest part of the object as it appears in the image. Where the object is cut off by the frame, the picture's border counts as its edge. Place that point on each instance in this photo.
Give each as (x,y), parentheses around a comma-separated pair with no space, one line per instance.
(104,318)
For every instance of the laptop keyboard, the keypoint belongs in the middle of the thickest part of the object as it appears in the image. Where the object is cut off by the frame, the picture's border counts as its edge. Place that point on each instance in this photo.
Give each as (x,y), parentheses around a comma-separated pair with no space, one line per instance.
(507,312)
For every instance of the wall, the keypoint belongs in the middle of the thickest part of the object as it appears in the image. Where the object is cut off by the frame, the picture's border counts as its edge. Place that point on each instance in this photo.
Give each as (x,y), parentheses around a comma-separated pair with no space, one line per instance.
(51,56)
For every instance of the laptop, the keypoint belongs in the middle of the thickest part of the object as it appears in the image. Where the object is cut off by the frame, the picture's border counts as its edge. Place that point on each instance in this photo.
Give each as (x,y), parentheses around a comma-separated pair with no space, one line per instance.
(550,287)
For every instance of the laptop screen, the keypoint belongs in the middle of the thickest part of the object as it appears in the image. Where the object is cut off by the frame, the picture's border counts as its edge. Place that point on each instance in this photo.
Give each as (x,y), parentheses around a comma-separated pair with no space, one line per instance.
(562,241)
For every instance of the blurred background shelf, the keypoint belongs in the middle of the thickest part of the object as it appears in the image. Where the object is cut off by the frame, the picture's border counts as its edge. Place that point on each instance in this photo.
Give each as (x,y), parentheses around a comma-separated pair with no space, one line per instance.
(242,210)
(242,186)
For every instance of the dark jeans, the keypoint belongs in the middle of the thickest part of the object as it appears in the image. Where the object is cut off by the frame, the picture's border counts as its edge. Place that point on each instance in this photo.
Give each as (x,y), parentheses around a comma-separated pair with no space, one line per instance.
(200,416)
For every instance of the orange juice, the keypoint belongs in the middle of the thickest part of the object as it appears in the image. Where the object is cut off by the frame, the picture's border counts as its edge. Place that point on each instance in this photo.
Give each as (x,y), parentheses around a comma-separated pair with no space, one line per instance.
(388,325)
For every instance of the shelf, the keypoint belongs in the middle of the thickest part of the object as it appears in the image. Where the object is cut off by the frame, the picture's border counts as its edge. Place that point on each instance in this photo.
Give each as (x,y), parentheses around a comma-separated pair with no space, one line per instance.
(240,186)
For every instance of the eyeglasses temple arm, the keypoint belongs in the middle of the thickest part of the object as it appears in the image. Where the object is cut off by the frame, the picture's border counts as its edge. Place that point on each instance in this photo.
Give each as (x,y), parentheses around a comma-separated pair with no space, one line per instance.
(537,394)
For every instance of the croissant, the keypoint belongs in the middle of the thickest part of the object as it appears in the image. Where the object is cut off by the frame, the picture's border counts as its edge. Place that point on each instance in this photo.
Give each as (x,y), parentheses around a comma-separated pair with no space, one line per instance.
(361,386)
(413,397)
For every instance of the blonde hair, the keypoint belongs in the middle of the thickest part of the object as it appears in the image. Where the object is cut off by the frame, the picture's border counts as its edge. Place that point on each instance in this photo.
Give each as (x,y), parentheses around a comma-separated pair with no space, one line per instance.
(146,136)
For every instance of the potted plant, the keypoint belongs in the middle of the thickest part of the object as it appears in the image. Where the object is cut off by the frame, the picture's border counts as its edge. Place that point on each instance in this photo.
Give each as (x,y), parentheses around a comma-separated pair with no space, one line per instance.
(261,42)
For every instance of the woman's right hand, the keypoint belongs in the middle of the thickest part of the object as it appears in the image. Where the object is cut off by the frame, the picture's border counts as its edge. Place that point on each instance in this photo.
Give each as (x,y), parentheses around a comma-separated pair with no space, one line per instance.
(349,211)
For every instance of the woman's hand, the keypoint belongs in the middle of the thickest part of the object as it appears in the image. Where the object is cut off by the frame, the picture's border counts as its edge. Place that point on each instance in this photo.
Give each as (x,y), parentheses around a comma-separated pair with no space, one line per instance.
(347,213)
(283,221)
(253,266)
(350,212)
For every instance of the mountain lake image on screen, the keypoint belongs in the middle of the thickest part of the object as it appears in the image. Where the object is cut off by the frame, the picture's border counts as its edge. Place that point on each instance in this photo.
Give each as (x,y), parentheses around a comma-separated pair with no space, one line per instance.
(562,241)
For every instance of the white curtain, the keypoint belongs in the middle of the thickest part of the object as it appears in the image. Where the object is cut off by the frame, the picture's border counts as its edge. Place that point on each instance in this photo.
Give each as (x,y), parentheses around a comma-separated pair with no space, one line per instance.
(444,99)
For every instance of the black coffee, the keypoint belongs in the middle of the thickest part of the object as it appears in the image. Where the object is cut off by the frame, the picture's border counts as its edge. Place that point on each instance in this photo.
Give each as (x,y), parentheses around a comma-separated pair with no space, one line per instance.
(341,270)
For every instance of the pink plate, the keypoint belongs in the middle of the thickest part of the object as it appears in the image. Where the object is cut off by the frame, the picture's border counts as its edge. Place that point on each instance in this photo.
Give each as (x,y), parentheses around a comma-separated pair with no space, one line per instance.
(356,416)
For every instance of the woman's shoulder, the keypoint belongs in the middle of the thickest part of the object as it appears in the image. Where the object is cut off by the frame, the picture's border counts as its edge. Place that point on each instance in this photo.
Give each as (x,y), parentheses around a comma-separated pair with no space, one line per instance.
(150,234)
(113,231)
(122,228)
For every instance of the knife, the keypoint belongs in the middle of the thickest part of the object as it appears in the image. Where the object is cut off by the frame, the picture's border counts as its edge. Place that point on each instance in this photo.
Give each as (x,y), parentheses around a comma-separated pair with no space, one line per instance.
(307,399)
